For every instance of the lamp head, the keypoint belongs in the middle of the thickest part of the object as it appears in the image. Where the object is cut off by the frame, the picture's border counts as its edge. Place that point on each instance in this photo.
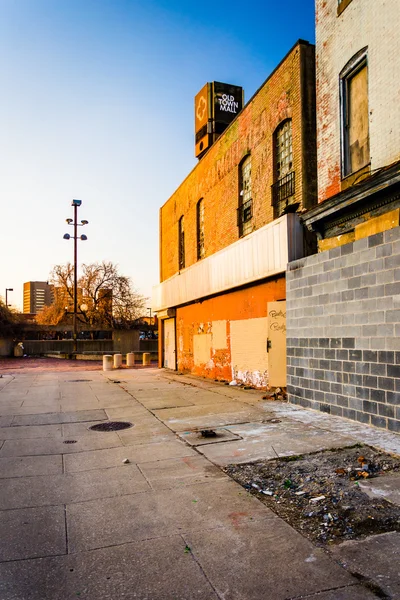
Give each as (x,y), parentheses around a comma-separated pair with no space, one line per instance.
(84,222)
(69,221)
(66,236)
(83,237)
(76,202)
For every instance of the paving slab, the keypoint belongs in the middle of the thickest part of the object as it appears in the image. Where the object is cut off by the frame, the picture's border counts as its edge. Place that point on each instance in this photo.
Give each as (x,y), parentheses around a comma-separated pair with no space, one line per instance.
(377,558)
(51,490)
(351,592)
(113,457)
(282,563)
(27,410)
(60,417)
(32,532)
(209,421)
(177,472)
(152,571)
(205,410)
(30,432)
(153,432)
(267,441)
(30,466)
(50,446)
(134,411)
(6,421)
(195,438)
(124,519)
(168,401)
(384,486)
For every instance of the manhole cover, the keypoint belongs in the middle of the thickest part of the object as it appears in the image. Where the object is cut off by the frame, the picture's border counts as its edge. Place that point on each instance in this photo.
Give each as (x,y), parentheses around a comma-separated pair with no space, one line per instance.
(111,426)
(69,441)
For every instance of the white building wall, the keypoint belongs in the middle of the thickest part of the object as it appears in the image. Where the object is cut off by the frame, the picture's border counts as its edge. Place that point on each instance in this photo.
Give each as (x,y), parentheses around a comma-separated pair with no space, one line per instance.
(372,23)
(263,253)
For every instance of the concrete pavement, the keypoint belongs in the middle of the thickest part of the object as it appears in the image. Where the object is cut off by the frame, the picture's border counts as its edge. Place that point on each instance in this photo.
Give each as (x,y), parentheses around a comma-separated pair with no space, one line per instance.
(146,513)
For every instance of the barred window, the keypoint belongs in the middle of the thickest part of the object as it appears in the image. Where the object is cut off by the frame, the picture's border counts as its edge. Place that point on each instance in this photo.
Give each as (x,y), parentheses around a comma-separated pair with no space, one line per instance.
(200,229)
(284,187)
(283,149)
(245,212)
(181,249)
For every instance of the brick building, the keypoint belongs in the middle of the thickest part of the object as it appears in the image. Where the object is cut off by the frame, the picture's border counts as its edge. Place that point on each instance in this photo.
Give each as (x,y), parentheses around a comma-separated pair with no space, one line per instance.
(343,305)
(230,228)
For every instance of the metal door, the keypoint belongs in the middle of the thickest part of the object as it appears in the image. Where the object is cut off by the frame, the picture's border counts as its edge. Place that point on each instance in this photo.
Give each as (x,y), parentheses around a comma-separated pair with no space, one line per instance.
(169,344)
(276,344)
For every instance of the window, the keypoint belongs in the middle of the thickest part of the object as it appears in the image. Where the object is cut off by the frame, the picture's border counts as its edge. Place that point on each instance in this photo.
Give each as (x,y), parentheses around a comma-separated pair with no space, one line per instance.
(342,4)
(181,243)
(200,229)
(284,187)
(354,114)
(244,212)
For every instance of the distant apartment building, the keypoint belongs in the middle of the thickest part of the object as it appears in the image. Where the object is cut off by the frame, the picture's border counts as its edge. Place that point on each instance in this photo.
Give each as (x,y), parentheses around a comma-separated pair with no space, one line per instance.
(343,305)
(37,295)
(228,231)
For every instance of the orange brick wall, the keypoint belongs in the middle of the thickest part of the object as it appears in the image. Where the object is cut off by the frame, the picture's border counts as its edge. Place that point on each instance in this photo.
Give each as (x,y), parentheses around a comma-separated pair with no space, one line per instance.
(288,93)
(247,303)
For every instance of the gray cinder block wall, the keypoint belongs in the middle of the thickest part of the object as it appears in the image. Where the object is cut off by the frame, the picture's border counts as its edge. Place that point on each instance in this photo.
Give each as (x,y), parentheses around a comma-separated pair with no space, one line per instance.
(343,331)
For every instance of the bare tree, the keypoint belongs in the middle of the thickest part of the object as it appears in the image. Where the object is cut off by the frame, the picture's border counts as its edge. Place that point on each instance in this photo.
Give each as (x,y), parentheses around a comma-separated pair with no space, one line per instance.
(105,298)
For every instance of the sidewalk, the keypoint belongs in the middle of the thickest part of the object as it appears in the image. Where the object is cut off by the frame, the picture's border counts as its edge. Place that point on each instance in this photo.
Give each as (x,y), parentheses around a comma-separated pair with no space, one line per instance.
(146,512)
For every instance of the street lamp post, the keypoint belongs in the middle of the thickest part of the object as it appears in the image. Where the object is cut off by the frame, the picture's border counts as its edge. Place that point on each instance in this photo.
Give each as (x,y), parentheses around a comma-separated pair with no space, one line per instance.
(74,222)
(8,290)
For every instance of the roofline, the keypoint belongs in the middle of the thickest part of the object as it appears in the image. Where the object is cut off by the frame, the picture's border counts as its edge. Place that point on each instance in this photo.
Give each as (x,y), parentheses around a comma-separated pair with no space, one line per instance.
(300,42)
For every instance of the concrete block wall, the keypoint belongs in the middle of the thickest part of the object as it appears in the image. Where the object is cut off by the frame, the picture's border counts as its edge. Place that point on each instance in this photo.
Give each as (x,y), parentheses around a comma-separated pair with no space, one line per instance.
(373,24)
(343,330)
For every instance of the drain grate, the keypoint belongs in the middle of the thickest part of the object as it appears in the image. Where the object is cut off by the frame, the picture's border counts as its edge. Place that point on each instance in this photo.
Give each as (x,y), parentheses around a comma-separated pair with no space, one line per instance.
(78,380)
(111,426)
(70,441)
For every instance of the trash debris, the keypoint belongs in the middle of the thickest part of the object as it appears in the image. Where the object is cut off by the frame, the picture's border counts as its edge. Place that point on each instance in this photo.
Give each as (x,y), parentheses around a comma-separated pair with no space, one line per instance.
(126,461)
(187,549)
(233,382)
(320,495)
(208,433)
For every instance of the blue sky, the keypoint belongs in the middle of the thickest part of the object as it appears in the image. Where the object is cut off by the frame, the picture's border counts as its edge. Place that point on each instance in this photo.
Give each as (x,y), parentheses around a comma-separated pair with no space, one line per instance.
(96,103)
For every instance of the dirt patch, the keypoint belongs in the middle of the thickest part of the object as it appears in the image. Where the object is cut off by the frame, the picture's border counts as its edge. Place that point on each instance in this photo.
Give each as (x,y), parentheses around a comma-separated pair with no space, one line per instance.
(319,494)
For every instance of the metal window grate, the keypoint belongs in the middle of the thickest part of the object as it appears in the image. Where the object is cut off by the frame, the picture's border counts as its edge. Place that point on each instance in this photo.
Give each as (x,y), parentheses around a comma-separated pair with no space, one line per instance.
(282,190)
(244,215)
(200,230)
(181,244)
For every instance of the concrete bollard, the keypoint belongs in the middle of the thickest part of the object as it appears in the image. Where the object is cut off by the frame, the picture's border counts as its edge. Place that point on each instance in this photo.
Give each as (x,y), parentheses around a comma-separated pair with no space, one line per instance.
(130,359)
(107,362)
(146,358)
(117,361)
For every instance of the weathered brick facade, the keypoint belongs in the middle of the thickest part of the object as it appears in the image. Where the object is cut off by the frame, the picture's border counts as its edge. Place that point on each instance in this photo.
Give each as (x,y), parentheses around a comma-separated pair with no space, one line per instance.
(221,332)
(374,26)
(288,93)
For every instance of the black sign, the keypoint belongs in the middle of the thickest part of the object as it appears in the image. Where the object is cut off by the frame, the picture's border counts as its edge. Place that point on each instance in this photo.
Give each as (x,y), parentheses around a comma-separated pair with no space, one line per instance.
(227,100)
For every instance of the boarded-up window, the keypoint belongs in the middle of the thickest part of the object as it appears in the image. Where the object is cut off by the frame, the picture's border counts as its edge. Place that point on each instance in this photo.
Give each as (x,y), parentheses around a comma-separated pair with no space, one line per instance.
(355,118)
